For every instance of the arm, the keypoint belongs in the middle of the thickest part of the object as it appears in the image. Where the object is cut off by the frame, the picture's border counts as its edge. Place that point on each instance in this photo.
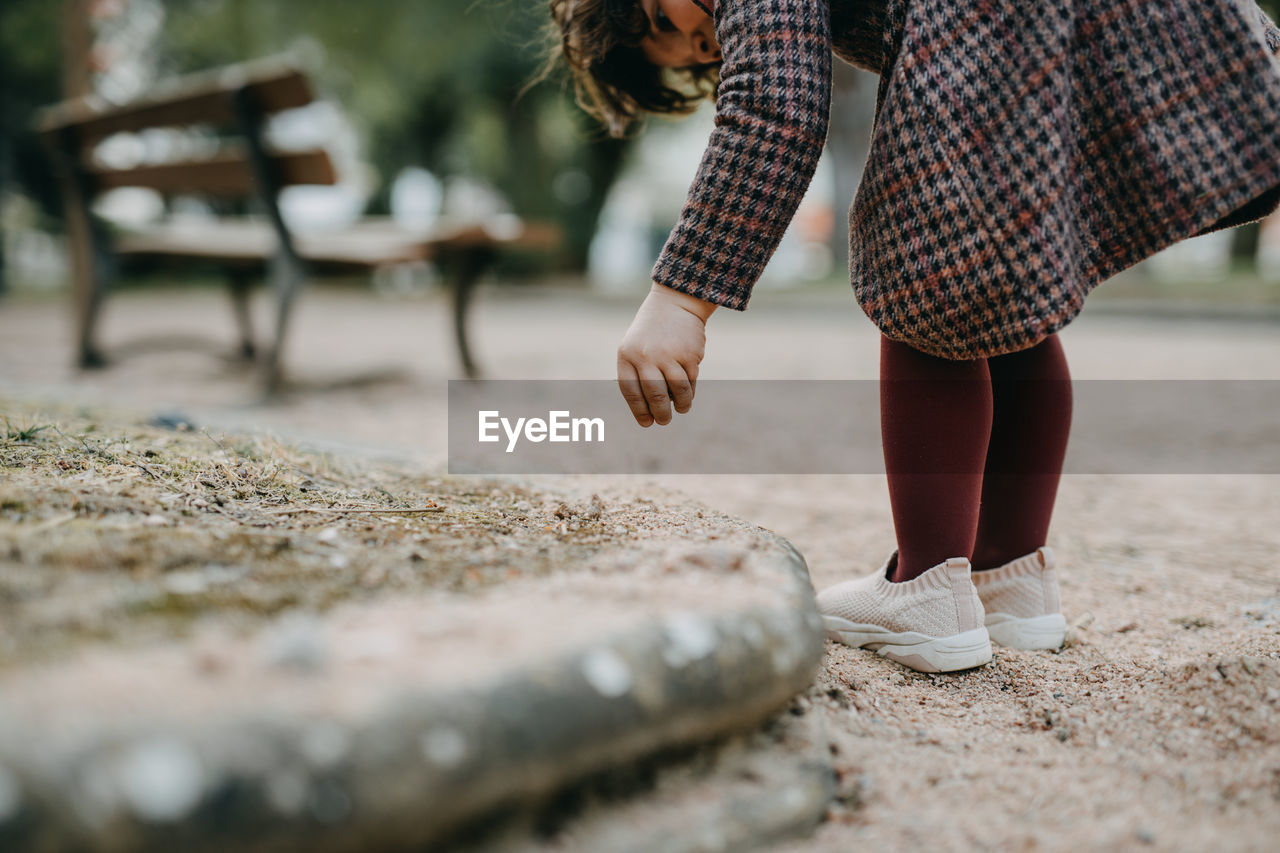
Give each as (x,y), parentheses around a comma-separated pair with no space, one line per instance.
(770,126)
(771,123)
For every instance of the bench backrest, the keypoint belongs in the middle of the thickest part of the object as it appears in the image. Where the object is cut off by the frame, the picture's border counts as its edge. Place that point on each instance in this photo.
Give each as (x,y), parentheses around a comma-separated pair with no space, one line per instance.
(237,99)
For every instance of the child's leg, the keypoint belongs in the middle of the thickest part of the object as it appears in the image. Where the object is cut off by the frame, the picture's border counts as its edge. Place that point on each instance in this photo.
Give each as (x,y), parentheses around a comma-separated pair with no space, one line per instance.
(935,423)
(1032,391)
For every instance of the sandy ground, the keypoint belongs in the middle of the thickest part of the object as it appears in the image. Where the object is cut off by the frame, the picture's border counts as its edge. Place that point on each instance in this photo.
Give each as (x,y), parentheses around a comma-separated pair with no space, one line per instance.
(1158,726)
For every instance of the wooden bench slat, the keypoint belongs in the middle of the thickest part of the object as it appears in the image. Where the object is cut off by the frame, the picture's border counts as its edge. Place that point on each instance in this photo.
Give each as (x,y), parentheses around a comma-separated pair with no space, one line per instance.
(367,244)
(227,175)
(199,99)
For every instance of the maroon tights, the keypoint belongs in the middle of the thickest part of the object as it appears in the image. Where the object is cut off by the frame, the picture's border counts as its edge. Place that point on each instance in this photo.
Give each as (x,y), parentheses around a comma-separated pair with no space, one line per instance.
(973,450)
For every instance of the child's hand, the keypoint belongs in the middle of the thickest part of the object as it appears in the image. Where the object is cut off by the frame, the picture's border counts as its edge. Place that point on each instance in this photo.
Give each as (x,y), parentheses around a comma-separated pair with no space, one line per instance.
(659,356)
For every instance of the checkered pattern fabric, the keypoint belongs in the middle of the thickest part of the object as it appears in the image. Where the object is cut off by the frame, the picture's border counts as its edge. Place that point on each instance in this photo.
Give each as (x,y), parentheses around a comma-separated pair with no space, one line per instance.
(1022,152)
(771,123)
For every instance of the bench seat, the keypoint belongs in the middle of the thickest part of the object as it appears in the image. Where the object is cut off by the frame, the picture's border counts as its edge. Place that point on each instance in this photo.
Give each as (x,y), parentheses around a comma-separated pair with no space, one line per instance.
(369,243)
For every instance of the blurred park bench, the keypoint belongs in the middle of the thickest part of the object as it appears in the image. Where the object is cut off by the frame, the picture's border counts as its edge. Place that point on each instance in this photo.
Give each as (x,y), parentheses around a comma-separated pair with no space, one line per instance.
(241,168)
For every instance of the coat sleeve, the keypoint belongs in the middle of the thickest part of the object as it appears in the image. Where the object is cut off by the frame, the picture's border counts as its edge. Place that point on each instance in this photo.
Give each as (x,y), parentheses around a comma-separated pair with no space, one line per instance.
(770,126)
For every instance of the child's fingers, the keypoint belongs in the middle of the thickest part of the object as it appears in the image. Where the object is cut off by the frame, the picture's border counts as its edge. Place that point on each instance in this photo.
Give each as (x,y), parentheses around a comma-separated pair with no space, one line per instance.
(680,387)
(629,385)
(654,386)
(691,371)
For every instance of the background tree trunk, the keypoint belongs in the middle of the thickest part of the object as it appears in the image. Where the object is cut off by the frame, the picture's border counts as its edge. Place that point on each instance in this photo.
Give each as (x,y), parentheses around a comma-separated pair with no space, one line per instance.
(77,40)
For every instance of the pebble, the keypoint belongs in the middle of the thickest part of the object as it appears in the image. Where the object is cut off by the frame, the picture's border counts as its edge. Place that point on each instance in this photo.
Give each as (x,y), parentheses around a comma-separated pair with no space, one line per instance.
(155,520)
(329,535)
(794,798)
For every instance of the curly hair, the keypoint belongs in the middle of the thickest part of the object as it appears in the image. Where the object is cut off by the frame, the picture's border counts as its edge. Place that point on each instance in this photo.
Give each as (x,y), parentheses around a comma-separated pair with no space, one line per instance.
(599,41)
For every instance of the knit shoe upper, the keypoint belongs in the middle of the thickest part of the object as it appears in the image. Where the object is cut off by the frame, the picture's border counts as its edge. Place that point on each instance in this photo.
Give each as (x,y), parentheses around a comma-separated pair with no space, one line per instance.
(938,603)
(1023,608)
(1023,588)
(933,623)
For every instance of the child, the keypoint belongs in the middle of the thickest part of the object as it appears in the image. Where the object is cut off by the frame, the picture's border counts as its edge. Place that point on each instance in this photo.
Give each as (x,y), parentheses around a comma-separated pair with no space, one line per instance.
(1022,153)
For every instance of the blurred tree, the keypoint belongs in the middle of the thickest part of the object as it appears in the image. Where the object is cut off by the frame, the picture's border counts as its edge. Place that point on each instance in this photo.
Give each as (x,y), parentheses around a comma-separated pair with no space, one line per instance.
(29,78)
(432,84)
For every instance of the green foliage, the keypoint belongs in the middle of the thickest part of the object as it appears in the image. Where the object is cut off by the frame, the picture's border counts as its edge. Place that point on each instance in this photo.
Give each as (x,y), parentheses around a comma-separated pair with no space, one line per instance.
(30,77)
(22,433)
(429,83)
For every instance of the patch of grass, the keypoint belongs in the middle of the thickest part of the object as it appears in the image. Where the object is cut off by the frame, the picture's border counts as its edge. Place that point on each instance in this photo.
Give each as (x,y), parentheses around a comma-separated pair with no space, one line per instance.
(115,531)
(24,434)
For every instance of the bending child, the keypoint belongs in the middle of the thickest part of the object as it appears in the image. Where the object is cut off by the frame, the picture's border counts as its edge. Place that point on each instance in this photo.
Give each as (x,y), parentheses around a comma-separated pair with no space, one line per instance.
(1022,153)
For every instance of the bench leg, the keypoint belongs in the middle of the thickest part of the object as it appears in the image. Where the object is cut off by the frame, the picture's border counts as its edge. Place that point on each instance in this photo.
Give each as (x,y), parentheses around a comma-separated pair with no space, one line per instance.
(89,307)
(288,281)
(469,266)
(89,283)
(238,283)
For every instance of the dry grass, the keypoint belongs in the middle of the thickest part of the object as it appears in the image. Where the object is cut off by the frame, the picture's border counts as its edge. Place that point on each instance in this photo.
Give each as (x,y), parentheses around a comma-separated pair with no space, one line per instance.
(114,529)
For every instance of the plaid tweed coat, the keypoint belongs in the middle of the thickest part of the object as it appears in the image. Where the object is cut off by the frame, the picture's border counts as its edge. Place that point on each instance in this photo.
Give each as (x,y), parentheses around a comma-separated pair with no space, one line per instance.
(1022,152)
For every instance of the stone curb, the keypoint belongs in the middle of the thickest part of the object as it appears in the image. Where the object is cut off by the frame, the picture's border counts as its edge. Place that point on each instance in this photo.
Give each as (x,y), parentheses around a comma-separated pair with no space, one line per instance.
(428,764)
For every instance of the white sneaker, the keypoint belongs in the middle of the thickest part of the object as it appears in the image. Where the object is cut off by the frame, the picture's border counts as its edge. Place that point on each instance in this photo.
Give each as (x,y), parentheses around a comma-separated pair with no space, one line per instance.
(932,623)
(1022,604)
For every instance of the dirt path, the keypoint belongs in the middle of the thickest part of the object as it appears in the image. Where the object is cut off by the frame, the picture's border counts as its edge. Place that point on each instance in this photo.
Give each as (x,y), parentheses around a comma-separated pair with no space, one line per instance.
(1159,723)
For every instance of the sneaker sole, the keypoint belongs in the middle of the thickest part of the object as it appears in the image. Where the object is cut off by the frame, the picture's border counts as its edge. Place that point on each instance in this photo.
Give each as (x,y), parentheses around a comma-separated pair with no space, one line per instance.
(917,651)
(1036,632)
